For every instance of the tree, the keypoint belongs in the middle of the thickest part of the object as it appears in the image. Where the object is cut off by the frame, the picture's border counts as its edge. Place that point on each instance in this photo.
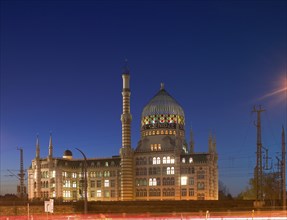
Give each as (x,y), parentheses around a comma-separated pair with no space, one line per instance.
(223,192)
(271,189)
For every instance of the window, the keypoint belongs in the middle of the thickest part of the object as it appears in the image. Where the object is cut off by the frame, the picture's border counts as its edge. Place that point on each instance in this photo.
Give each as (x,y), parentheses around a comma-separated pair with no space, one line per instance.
(92,174)
(92,194)
(183,180)
(172,170)
(99,193)
(183,160)
(113,193)
(107,183)
(106,193)
(168,160)
(159,147)
(183,192)
(152,181)
(99,183)
(154,160)
(112,183)
(93,184)
(106,164)
(168,170)
(190,160)
(172,160)
(164,160)
(191,192)
(158,160)
(200,186)
(200,174)
(151,147)
(191,181)
(74,184)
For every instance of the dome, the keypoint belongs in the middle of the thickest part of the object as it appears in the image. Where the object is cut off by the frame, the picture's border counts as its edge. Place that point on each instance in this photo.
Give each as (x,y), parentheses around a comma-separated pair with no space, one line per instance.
(68,153)
(162,103)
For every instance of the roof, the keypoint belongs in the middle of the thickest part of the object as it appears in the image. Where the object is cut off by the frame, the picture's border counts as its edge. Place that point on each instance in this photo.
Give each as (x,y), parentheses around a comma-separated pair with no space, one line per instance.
(162,103)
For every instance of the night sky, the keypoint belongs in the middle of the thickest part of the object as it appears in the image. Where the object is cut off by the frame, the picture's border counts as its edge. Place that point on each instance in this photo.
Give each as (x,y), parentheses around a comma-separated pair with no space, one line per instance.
(61,65)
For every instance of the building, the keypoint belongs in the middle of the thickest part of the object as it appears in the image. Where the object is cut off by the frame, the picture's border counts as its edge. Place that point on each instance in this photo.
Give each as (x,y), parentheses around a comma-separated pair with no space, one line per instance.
(162,166)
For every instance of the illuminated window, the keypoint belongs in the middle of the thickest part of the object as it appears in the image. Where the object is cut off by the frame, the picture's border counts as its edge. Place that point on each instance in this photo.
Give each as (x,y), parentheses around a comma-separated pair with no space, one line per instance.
(168,170)
(53,174)
(74,175)
(168,160)
(149,133)
(74,184)
(155,147)
(159,147)
(107,183)
(183,180)
(99,193)
(107,164)
(154,160)
(170,132)
(157,132)
(166,131)
(164,160)
(151,147)
(172,160)
(190,160)
(174,132)
(158,160)
(172,170)
(161,132)
(153,132)
(67,183)
(183,160)
(152,182)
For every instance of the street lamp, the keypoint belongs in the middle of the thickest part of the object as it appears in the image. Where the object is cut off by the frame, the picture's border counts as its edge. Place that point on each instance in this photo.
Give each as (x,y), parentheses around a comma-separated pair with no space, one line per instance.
(85,182)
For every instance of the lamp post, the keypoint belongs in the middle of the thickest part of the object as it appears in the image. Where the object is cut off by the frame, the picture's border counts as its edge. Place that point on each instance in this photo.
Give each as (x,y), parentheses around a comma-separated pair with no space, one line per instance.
(85,182)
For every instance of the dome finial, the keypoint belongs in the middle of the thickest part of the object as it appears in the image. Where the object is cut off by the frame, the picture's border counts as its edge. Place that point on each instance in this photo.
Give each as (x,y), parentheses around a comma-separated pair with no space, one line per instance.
(162,86)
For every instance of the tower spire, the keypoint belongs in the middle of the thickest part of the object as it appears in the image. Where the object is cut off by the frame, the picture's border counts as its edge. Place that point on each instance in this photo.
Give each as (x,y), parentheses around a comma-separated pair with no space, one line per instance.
(50,146)
(191,143)
(37,147)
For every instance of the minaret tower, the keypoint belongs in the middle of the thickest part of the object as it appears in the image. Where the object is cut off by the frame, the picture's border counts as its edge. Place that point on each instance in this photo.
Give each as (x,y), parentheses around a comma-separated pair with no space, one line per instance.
(38,169)
(126,151)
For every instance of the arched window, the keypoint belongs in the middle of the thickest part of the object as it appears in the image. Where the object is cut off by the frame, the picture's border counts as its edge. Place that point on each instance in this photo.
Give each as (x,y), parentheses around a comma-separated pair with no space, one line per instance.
(172,170)
(154,160)
(164,160)
(172,160)
(168,160)
(190,160)
(150,182)
(154,182)
(168,170)
(151,147)
(183,160)
(159,147)
(158,160)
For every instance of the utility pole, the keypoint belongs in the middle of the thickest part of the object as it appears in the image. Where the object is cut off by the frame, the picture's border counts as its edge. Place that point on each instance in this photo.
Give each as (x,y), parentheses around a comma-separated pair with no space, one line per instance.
(21,188)
(258,169)
(283,170)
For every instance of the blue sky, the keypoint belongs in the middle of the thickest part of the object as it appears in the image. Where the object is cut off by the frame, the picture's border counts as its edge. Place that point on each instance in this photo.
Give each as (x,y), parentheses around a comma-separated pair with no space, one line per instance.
(61,65)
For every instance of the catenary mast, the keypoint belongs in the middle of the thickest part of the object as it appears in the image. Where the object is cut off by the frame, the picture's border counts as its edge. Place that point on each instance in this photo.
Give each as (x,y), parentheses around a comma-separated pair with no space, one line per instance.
(259,169)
